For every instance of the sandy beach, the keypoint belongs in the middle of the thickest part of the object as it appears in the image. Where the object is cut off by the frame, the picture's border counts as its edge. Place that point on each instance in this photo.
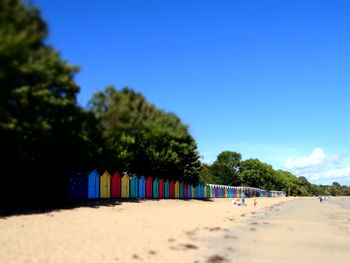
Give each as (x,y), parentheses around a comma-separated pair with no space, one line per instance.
(181,231)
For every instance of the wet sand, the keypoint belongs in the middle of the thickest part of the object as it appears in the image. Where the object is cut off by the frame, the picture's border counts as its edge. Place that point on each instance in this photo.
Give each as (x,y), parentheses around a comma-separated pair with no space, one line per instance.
(145,231)
(301,231)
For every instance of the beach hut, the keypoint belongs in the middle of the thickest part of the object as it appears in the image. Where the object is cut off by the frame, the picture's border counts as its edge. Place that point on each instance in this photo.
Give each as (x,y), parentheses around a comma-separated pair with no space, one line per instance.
(84,184)
(212,192)
(156,188)
(205,191)
(161,188)
(200,190)
(192,191)
(125,186)
(105,185)
(181,190)
(172,189)
(134,186)
(142,187)
(195,192)
(149,185)
(189,191)
(208,191)
(116,185)
(166,189)
(185,190)
(177,189)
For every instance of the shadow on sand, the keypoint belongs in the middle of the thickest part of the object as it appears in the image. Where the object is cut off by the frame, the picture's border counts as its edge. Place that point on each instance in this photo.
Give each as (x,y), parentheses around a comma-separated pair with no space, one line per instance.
(77,203)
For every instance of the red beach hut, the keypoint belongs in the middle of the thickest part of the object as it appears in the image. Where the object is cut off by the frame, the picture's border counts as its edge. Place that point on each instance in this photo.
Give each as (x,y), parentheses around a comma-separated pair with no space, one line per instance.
(185,190)
(116,185)
(149,183)
(172,189)
(216,191)
(161,188)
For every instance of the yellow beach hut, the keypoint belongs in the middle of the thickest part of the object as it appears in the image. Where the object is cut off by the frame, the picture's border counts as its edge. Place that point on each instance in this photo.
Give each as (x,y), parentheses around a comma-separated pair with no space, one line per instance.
(177,189)
(192,191)
(125,185)
(205,191)
(105,185)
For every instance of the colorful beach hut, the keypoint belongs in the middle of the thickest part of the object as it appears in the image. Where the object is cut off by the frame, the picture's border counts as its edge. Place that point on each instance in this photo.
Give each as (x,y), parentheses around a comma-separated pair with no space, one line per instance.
(189,191)
(208,191)
(185,190)
(116,185)
(161,188)
(125,186)
(177,189)
(181,190)
(156,188)
(192,191)
(166,189)
(142,187)
(149,186)
(105,185)
(84,184)
(172,189)
(134,186)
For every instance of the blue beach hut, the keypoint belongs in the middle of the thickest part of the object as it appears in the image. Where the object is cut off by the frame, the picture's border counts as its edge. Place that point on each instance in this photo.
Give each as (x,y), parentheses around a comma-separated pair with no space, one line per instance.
(84,184)
(155,188)
(181,190)
(189,191)
(167,189)
(134,186)
(142,187)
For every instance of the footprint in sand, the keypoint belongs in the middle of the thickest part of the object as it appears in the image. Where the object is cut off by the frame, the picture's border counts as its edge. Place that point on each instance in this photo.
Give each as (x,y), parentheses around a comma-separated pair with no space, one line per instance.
(189,246)
(216,259)
(152,252)
(230,236)
(217,228)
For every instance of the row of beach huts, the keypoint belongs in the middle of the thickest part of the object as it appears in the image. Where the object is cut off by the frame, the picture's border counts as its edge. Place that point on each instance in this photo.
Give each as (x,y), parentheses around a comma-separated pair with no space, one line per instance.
(89,184)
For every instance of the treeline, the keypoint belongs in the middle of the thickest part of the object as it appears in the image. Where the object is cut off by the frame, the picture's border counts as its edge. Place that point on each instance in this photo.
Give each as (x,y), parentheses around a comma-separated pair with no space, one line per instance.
(45,135)
(229,169)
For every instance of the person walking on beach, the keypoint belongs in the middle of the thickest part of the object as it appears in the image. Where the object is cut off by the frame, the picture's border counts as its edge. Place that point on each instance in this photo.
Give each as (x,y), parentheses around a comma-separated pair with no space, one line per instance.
(243,198)
(255,202)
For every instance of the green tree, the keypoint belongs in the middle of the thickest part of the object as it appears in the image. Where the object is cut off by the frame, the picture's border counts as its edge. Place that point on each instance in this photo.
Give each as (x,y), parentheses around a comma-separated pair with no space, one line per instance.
(226,168)
(258,174)
(143,139)
(205,175)
(42,132)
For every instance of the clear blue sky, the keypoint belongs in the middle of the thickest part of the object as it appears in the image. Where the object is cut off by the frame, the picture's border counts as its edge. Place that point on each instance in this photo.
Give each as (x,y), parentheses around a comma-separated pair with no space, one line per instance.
(268,79)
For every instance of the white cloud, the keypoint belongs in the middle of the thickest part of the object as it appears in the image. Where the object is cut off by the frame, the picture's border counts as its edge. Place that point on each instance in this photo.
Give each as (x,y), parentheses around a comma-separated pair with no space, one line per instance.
(318,167)
(316,158)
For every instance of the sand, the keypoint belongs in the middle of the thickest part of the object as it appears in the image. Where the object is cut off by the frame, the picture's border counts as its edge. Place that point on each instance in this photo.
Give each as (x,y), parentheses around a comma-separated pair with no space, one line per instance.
(179,231)
(301,231)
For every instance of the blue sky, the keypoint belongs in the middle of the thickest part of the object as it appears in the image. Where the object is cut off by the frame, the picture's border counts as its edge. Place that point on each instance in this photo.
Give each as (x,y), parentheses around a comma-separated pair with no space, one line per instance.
(268,79)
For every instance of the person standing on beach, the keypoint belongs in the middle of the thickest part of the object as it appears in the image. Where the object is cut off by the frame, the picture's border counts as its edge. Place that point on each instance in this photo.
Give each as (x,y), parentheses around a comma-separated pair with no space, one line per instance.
(255,202)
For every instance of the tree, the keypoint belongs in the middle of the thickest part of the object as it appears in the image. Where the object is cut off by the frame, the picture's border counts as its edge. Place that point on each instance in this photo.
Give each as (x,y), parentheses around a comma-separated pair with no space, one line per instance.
(257,174)
(143,139)
(226,168)
(42,132)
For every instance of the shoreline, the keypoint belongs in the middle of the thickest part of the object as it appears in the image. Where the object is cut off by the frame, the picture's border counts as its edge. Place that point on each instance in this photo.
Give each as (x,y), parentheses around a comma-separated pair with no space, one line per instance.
(301,231)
